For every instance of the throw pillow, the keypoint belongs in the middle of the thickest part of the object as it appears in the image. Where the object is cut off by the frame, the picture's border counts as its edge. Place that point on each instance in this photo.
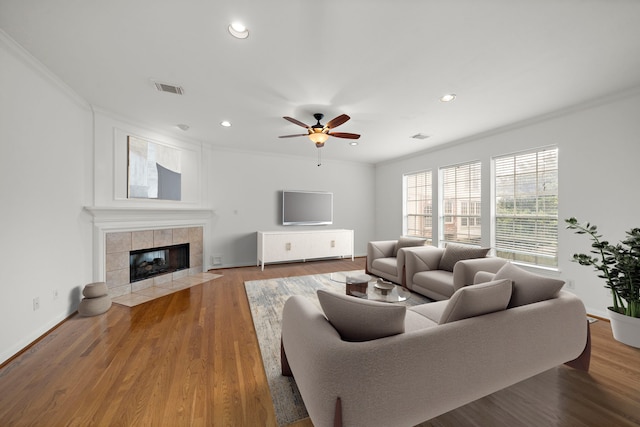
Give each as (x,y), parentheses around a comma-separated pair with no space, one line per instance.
(358,319)
(528,287)
(454,252)
(406,242)
(476,300)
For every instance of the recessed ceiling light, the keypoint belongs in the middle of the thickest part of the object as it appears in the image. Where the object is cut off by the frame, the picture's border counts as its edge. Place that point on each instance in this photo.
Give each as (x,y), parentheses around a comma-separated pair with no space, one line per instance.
(448,97)
(225,123)
(353,143)
(183,127)
(238,30)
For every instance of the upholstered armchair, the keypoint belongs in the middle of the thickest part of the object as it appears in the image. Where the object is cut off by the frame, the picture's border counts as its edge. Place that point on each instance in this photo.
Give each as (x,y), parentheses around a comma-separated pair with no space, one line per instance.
(438,272)
(386,258)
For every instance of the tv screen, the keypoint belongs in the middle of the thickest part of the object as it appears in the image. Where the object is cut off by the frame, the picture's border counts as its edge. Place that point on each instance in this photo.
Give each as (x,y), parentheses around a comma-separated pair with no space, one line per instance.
(307,208)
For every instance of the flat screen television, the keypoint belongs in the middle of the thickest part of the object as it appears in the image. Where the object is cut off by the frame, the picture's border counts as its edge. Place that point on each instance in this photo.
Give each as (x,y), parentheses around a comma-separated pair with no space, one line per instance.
(307,207)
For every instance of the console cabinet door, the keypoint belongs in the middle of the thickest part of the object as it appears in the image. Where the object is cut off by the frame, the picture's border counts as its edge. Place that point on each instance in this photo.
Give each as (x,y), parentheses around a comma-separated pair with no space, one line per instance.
(282,247)
(342,243)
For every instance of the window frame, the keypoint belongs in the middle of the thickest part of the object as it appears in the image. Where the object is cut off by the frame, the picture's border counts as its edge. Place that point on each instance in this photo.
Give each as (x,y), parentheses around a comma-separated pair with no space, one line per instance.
(538,244)
(427,217)
(451,216)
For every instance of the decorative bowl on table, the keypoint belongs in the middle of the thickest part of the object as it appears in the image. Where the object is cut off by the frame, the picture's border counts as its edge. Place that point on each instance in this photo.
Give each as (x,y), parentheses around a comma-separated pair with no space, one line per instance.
(383,285)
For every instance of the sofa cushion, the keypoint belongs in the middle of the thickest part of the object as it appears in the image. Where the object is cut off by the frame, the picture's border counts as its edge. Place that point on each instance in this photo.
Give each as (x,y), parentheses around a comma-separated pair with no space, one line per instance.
(476,300)
(407,241)
(528,287)
(358,319)
(432,310)
(435,284)
(414,321)
(386,265)
(454,252)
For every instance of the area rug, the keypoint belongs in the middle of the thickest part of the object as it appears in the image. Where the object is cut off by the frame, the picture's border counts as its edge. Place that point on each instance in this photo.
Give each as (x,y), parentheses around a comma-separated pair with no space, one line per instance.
(266,299)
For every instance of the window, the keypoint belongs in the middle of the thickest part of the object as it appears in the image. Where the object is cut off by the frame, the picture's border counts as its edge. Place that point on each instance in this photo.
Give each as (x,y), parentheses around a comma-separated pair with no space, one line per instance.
(418,206)
(526,207)
(461,201)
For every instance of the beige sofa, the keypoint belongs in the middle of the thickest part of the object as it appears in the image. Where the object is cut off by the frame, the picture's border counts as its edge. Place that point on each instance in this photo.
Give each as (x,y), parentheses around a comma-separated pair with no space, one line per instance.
(386,258)
(362,363)
(438,272)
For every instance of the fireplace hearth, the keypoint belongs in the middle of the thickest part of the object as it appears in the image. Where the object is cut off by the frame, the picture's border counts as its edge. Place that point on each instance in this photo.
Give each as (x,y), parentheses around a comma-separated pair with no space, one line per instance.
(147,263)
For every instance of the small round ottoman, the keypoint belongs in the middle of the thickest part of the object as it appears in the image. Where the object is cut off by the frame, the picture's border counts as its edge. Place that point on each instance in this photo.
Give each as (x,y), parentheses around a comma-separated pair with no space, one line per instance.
(96,299)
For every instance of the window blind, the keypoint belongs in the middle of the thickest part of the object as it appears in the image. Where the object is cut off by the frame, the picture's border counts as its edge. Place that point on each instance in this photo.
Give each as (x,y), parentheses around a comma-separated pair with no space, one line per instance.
(526,207)
(418,205)
(460,220)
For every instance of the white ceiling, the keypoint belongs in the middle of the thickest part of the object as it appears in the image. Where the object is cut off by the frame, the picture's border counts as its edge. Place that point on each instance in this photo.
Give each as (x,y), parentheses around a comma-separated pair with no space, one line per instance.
(383,62)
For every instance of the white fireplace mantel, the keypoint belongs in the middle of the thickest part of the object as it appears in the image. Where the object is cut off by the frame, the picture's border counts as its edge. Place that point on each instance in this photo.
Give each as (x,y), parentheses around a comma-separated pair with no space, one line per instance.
(126,217)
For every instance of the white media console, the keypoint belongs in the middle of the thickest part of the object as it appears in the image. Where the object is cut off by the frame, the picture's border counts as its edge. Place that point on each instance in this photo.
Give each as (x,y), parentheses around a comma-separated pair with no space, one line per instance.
(279,246)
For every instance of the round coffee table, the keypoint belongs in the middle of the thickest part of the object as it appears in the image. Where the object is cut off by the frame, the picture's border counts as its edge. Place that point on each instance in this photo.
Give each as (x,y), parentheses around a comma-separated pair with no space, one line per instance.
(395,294)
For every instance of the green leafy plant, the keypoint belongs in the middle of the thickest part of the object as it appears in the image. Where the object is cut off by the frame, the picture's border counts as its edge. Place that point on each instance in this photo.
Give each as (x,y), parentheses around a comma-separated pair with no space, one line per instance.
(618,264)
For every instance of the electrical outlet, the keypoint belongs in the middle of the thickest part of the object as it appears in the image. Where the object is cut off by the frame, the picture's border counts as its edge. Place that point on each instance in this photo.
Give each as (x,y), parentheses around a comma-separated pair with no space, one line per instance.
(55,294)
(36,303)
(571,284)
(216,260)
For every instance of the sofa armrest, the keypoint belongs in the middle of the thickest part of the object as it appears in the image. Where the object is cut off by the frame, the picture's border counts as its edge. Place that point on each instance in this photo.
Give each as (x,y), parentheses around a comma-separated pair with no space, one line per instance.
(421,258)
(380,249)
(464,271)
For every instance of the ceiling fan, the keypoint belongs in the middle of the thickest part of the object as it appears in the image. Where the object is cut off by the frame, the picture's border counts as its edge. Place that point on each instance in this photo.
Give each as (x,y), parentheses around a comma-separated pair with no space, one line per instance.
(319,133)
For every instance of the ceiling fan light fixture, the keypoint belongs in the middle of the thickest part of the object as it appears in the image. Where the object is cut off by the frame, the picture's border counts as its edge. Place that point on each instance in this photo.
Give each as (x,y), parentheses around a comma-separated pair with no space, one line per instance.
(238,30)
(318,137)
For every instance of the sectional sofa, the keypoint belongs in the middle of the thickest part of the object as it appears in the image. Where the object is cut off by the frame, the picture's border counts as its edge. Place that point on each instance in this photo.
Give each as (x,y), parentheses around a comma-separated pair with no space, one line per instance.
(363,363)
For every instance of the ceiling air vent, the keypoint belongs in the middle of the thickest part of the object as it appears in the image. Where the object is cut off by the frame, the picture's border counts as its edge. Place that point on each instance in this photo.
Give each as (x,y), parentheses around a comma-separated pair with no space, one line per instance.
(166,87)
(420,136)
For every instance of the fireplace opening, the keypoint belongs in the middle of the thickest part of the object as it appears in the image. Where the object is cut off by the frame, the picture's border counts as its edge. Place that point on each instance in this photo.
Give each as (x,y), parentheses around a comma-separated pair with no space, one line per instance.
(146,263)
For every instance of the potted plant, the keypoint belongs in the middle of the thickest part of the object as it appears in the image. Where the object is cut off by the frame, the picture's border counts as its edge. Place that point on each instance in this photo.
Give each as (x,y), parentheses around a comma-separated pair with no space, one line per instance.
(619,265)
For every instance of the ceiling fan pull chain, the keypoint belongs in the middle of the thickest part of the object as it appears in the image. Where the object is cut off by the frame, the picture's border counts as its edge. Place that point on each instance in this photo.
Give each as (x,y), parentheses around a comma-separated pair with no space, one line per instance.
(319,157)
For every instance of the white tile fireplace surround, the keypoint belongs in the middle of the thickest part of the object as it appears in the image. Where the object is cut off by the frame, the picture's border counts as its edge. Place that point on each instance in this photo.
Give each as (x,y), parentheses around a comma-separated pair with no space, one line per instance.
(118,231)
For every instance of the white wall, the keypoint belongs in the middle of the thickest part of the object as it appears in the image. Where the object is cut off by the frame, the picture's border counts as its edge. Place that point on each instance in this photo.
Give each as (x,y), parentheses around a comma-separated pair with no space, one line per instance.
(598,153)
(245,192)
(45,180)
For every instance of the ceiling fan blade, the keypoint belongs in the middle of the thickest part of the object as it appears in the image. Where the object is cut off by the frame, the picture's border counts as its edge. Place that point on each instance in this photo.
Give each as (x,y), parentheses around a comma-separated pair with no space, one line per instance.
(345,135)
(291,136)
(334,123)
(297,122)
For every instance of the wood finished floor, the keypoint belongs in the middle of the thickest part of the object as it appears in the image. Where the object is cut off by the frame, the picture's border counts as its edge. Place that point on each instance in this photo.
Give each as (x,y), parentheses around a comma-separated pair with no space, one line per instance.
(192,359)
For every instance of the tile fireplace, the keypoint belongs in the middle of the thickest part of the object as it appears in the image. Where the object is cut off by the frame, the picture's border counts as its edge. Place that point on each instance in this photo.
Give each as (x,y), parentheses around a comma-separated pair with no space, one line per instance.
(140,259)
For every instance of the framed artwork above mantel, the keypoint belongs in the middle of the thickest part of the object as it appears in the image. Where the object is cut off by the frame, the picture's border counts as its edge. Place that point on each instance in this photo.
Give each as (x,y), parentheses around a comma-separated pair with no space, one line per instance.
(153,170)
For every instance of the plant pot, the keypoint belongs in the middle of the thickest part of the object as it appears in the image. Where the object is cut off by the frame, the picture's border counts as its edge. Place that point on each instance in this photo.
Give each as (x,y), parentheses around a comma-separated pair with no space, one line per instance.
(626,329)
